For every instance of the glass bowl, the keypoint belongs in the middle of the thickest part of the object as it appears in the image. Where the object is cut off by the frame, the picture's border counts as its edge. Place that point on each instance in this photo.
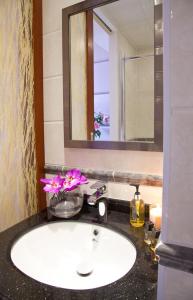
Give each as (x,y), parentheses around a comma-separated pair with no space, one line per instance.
(66,205)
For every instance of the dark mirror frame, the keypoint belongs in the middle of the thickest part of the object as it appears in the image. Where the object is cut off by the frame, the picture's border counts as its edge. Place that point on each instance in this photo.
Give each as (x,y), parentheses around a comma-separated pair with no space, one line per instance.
(157,145)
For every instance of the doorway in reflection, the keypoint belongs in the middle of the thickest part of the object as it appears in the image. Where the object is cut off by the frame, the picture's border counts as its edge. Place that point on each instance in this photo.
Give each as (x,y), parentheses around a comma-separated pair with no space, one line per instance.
(138,97)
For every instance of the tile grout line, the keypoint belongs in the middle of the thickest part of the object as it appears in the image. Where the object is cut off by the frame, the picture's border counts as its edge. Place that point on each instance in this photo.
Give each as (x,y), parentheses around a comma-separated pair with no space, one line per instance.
(54,121)
(51,32)
(53,77)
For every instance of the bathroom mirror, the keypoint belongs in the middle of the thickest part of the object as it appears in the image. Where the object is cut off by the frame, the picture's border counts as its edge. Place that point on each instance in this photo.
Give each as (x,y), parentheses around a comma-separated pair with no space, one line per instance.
(113,75)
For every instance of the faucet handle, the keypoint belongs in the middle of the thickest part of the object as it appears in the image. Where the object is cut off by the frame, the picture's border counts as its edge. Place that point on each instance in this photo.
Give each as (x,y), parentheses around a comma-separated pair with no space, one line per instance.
(98,185)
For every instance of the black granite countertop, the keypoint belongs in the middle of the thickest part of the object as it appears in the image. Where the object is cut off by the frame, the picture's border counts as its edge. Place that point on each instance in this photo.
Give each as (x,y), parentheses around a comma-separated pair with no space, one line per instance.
(140,283)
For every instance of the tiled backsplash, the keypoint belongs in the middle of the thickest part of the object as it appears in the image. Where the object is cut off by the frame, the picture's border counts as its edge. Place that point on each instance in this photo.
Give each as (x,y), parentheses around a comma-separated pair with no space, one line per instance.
(112,176)
(118,186)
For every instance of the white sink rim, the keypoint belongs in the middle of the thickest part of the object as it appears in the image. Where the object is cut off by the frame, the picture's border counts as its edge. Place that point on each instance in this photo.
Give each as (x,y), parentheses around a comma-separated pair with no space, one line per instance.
(111,228)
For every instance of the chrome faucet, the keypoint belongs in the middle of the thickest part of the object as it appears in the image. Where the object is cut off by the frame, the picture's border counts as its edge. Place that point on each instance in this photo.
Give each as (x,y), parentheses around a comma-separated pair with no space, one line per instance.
(100,188)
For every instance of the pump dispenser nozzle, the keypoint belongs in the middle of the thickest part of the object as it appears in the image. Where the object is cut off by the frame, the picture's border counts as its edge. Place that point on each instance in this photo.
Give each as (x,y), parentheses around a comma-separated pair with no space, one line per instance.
(137,188)
(137,209)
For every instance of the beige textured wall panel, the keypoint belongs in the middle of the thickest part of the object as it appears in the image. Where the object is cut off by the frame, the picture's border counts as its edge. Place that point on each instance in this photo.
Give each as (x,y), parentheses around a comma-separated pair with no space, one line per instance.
(17,137)
(78,76)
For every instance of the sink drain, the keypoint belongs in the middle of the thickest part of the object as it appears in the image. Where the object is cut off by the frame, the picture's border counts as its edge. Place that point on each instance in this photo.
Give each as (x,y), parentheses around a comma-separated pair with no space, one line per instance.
(84,269)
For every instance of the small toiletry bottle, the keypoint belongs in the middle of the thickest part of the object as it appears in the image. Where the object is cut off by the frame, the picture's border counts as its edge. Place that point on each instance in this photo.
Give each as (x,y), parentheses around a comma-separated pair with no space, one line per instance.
(148,232)
(137,209)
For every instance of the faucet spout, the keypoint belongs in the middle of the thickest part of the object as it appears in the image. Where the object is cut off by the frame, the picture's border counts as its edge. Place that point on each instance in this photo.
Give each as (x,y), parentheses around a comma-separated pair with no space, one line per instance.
(100,188)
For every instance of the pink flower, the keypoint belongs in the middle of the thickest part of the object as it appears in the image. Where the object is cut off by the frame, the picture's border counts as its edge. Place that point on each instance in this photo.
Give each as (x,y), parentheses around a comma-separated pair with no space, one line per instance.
(72,179)
(53,185)
(96,125)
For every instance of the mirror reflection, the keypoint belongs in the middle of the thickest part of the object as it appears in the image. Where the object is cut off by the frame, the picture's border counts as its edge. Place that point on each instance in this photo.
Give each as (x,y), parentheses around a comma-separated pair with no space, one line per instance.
(112,72)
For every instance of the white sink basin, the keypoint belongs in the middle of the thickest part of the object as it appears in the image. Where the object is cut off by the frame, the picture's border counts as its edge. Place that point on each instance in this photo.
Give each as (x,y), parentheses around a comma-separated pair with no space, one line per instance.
(70,255)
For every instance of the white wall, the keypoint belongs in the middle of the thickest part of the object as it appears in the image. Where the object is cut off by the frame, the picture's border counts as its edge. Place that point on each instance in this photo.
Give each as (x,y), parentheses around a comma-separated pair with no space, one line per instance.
(178,164)
(133,161)
(174,284)
(178,143)
(139,97)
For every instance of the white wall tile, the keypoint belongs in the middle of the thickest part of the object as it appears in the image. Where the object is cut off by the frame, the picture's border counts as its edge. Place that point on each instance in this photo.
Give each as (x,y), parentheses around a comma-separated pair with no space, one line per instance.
(52,54)
(54,143)
(133,161)
(123,191)
(52,13)
(53,99)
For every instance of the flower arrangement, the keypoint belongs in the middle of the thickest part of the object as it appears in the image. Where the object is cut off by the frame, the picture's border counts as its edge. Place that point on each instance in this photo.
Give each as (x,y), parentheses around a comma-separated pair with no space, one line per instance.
(69,182)
(100,119)
(64,204)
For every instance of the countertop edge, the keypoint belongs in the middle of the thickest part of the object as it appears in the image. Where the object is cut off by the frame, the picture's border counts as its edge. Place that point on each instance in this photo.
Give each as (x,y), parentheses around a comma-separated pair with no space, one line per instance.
(113,176)
(175,256)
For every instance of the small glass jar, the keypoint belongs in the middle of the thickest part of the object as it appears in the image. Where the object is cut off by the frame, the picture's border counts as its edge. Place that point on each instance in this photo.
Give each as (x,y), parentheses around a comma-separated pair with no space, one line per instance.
(66,204)
(148,232)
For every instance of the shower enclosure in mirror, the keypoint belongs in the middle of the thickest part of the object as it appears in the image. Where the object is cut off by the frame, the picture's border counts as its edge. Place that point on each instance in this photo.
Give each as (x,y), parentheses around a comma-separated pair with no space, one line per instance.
(113,76)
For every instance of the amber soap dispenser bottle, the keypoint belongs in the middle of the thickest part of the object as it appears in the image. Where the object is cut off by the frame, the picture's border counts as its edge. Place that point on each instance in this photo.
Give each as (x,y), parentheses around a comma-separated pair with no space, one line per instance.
(137,209)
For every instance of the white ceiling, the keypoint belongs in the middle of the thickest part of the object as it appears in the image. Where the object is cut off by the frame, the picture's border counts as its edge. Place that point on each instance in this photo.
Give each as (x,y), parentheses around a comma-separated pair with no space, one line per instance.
(134,19)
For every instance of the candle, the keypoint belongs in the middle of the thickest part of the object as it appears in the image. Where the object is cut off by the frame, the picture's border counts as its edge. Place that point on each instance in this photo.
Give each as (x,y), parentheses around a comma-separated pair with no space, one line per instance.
(156,216)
